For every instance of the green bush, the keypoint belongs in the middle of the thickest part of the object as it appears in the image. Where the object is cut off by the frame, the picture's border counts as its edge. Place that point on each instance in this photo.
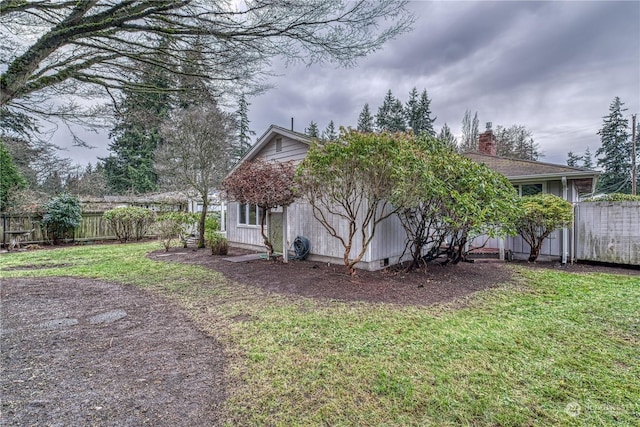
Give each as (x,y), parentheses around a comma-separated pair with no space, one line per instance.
(614,197)
(62,214)
(130,223)
(176,225)
(217,242)
(541,215)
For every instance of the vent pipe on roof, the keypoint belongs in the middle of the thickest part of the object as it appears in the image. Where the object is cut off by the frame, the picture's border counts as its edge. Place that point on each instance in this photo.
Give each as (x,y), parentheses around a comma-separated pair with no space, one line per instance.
(291,124)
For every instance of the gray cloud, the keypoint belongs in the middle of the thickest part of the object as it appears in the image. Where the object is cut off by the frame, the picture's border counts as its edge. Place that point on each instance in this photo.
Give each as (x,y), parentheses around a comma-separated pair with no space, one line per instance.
(553,67)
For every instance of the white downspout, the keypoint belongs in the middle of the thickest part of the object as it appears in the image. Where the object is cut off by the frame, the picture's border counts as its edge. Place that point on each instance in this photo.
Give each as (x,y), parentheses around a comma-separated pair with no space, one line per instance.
(285,233)
(565,231)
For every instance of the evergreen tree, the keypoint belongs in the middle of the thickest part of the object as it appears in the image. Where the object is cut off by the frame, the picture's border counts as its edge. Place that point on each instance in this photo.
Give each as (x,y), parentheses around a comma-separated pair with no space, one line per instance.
(330,133)
(136,135)
(397,122)
(470,132)
(244,133)
(418,113)
(412,112)
(365,120)
(614,155)
(312,130)
(447,138)
(390,117)
(516,142)
(587,159)
(10,177)
(573,159)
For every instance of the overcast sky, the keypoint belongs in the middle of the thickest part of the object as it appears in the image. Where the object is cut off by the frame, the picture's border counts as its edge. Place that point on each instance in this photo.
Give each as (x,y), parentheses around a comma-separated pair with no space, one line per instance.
(553,67)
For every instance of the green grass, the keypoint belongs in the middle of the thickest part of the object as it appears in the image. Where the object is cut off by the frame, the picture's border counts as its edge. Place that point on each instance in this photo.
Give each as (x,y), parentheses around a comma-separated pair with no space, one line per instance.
(553,349)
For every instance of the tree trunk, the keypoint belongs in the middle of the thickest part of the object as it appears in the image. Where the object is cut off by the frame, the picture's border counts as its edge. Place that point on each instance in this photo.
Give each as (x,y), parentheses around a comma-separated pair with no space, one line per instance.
(203,217)
(267,243)
(535,251)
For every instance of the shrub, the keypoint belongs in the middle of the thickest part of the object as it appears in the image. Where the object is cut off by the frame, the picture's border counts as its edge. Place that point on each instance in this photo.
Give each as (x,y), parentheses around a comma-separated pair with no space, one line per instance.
(217,242)
(129,223)
(614,197)
(167,230)
(62,214)
(540,216)
(182,224)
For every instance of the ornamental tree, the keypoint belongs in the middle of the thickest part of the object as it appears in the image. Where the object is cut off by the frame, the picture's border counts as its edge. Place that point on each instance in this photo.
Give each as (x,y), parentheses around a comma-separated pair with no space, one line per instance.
(264,184)
(542,214)
(350,180)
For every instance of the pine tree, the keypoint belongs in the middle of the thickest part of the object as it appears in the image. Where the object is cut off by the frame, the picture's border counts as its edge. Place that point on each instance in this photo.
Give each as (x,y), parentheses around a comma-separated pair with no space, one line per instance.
(136,135)
(330,133)
(412,112)
(470,132)
(573,159)
(10,177)
(418,113)
(390,116)
(447,138)
(587,159)
(365,120)
(397,121)
(244,132)
(312,130)
(614,155)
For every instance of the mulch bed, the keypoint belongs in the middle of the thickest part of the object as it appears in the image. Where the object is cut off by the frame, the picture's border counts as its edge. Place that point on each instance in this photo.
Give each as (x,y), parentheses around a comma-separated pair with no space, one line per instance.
(435,284)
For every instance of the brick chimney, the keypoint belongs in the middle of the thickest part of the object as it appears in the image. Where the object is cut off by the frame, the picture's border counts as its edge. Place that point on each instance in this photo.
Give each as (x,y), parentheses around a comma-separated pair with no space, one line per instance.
(487,142)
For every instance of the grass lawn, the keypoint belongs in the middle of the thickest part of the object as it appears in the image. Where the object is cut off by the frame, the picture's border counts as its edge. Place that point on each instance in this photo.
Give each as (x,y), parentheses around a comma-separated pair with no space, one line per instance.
(552,349)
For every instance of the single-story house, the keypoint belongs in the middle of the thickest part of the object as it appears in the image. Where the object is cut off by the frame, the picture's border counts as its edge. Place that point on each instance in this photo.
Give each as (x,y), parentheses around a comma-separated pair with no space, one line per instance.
(242,222)
(532,177)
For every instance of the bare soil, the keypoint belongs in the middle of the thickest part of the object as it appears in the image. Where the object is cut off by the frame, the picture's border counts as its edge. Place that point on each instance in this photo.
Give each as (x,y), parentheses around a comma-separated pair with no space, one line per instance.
(78,352)
(86,352)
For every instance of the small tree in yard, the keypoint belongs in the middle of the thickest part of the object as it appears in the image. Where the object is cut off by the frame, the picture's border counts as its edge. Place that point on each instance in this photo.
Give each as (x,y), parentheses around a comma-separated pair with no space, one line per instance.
(197,153)
(350,180)
(175,225)
(264,184)
(541,215)
(62,214)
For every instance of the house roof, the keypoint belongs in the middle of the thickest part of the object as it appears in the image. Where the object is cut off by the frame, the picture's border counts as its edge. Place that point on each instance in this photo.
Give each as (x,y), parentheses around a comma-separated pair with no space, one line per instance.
(522,170)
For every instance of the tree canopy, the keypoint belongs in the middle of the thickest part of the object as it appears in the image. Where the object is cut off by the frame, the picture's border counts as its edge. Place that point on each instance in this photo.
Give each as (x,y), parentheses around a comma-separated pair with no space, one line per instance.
(264,184)
(65,50)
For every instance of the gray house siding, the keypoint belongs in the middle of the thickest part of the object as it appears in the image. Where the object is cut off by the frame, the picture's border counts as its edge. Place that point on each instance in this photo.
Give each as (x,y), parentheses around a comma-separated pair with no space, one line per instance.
(286,150)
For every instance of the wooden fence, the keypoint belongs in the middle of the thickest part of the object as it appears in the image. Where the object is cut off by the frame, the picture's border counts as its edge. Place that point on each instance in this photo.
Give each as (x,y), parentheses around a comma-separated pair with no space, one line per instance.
(92,227)
(608,232)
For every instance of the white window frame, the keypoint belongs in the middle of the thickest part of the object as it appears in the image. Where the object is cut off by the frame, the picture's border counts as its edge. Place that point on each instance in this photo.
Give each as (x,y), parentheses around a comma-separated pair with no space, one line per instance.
(247,207)
(518,186)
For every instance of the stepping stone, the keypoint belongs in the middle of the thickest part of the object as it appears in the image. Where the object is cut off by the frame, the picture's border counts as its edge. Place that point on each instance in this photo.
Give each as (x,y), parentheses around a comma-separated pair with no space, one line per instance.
(58,323)
(108,317)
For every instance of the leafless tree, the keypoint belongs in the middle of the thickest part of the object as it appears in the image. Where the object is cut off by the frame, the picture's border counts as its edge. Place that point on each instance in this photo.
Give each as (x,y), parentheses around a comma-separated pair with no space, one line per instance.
(82,50)
(197,153)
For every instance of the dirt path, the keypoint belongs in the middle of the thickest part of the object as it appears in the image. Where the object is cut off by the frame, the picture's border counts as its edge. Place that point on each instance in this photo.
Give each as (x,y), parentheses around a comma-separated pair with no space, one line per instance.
(83,352)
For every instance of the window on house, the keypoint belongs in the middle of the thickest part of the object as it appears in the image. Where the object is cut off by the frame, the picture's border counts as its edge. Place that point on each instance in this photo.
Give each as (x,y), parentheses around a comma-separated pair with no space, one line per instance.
(529,189)
(248,214)
(278,145)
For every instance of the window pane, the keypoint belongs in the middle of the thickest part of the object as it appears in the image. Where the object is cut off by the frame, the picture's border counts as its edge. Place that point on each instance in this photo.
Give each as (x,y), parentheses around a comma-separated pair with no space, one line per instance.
(242,214)
(252,215)
(531,189)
